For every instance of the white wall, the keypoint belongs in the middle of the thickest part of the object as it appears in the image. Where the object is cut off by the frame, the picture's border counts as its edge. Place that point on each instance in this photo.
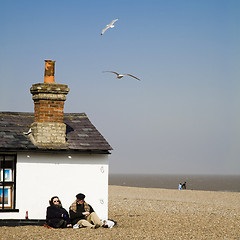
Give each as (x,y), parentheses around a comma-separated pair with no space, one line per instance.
(39,176)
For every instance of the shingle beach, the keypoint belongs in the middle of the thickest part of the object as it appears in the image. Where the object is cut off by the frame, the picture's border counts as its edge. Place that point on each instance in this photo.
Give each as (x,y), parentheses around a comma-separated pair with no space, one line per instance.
(153,213)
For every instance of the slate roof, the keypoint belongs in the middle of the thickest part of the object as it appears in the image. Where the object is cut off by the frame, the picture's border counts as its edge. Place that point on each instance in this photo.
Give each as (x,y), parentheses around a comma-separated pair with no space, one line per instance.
(81,134)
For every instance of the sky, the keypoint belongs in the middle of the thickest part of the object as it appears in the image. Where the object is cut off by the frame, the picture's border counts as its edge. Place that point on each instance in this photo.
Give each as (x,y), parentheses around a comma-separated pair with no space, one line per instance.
(183,117)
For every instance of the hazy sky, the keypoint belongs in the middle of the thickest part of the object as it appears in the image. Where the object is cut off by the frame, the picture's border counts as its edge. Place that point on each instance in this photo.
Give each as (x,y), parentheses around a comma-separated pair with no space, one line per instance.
(183,117)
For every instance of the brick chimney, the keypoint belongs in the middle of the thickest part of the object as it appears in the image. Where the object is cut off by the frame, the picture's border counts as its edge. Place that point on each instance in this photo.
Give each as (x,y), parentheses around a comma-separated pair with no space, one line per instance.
(48,129)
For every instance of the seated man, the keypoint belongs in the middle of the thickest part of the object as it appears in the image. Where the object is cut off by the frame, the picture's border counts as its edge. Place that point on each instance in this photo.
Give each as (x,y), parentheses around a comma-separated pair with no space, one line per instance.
(82,214)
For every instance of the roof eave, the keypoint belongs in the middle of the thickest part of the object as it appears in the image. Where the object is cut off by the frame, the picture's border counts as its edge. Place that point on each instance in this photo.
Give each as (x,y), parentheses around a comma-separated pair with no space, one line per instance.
(81,151)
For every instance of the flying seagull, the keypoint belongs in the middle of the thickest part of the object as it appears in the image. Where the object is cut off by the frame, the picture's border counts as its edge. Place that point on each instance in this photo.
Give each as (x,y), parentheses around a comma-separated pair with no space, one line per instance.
(119,76)
(110,25)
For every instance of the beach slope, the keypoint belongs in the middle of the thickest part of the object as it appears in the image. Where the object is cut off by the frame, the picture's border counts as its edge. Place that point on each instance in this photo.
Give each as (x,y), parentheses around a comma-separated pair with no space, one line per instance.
(152,213)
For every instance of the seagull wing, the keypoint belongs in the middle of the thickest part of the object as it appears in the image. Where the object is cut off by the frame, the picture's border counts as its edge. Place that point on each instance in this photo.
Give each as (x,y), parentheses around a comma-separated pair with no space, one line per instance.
(112,72)
(132,76)
(113,21)
(104,30)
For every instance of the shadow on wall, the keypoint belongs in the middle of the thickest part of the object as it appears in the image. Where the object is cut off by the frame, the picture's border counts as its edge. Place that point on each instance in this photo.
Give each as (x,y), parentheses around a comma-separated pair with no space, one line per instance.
(63,158)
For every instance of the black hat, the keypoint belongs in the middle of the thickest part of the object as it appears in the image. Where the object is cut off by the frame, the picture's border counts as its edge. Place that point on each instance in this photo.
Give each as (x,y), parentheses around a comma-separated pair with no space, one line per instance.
(80,196)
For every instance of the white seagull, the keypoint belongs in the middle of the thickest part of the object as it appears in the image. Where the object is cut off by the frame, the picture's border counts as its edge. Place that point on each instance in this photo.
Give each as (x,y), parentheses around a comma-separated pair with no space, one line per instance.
(110,25)
(119,76)
(27,133)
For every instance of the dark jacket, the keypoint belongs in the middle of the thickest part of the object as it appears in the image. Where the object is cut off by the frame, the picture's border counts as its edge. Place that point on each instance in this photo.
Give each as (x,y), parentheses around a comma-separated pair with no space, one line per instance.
(76,216)
(57,216)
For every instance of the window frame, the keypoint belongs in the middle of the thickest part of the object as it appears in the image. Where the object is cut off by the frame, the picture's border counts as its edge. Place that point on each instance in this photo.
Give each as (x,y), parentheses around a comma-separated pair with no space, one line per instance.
(8,184)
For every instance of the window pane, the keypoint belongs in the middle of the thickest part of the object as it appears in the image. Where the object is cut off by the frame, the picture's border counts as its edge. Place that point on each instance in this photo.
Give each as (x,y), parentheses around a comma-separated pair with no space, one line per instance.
(7,197)
(8,164)
(8,175)
(9,157)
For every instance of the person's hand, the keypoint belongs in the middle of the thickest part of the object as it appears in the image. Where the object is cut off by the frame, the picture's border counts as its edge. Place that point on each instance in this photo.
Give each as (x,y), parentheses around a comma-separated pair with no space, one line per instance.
(86,213)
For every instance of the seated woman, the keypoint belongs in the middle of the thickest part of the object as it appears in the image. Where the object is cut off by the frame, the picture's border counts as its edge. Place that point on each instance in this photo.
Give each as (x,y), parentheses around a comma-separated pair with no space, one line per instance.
(57,216)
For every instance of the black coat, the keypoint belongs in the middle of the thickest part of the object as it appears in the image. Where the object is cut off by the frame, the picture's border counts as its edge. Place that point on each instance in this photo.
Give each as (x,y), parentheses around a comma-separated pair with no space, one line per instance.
(76,216)
(55,214)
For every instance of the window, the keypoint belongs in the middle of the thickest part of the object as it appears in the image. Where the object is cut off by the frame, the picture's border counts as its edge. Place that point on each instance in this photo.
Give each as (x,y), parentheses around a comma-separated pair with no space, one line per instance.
(7,181)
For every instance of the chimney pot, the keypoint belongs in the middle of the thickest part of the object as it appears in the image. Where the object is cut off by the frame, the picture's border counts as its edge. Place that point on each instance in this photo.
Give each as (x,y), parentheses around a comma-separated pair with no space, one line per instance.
(49,71)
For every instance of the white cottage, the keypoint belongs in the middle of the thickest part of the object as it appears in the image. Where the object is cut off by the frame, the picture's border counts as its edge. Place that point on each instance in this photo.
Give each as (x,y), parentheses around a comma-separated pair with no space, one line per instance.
(50,153)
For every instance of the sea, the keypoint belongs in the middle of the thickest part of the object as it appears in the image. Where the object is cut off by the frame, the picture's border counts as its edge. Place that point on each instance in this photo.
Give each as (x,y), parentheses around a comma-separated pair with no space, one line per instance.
(223,183)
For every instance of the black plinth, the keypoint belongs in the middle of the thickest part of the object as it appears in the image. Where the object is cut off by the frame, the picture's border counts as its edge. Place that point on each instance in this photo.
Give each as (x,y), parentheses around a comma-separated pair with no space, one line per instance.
(21,222)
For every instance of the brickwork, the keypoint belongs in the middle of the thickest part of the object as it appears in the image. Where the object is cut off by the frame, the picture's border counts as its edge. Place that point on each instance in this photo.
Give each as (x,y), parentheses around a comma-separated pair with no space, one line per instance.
(48,111)
(49,101)
(49,97)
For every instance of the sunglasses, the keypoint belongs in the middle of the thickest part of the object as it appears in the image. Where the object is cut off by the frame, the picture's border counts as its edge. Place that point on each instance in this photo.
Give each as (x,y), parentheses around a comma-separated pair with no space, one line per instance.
(56,201)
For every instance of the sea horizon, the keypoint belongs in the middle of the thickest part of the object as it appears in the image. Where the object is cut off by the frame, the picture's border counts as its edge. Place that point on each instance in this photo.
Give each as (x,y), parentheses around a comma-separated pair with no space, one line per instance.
(204,182)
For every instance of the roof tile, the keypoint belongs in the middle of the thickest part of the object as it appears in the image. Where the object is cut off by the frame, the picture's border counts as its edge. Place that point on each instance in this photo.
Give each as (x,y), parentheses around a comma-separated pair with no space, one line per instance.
(81,134)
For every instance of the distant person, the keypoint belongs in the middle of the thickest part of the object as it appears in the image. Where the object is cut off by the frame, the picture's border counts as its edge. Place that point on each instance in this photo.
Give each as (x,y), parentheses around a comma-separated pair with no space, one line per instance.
(83,215)
(57,216)
(179,186)
(184,185)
